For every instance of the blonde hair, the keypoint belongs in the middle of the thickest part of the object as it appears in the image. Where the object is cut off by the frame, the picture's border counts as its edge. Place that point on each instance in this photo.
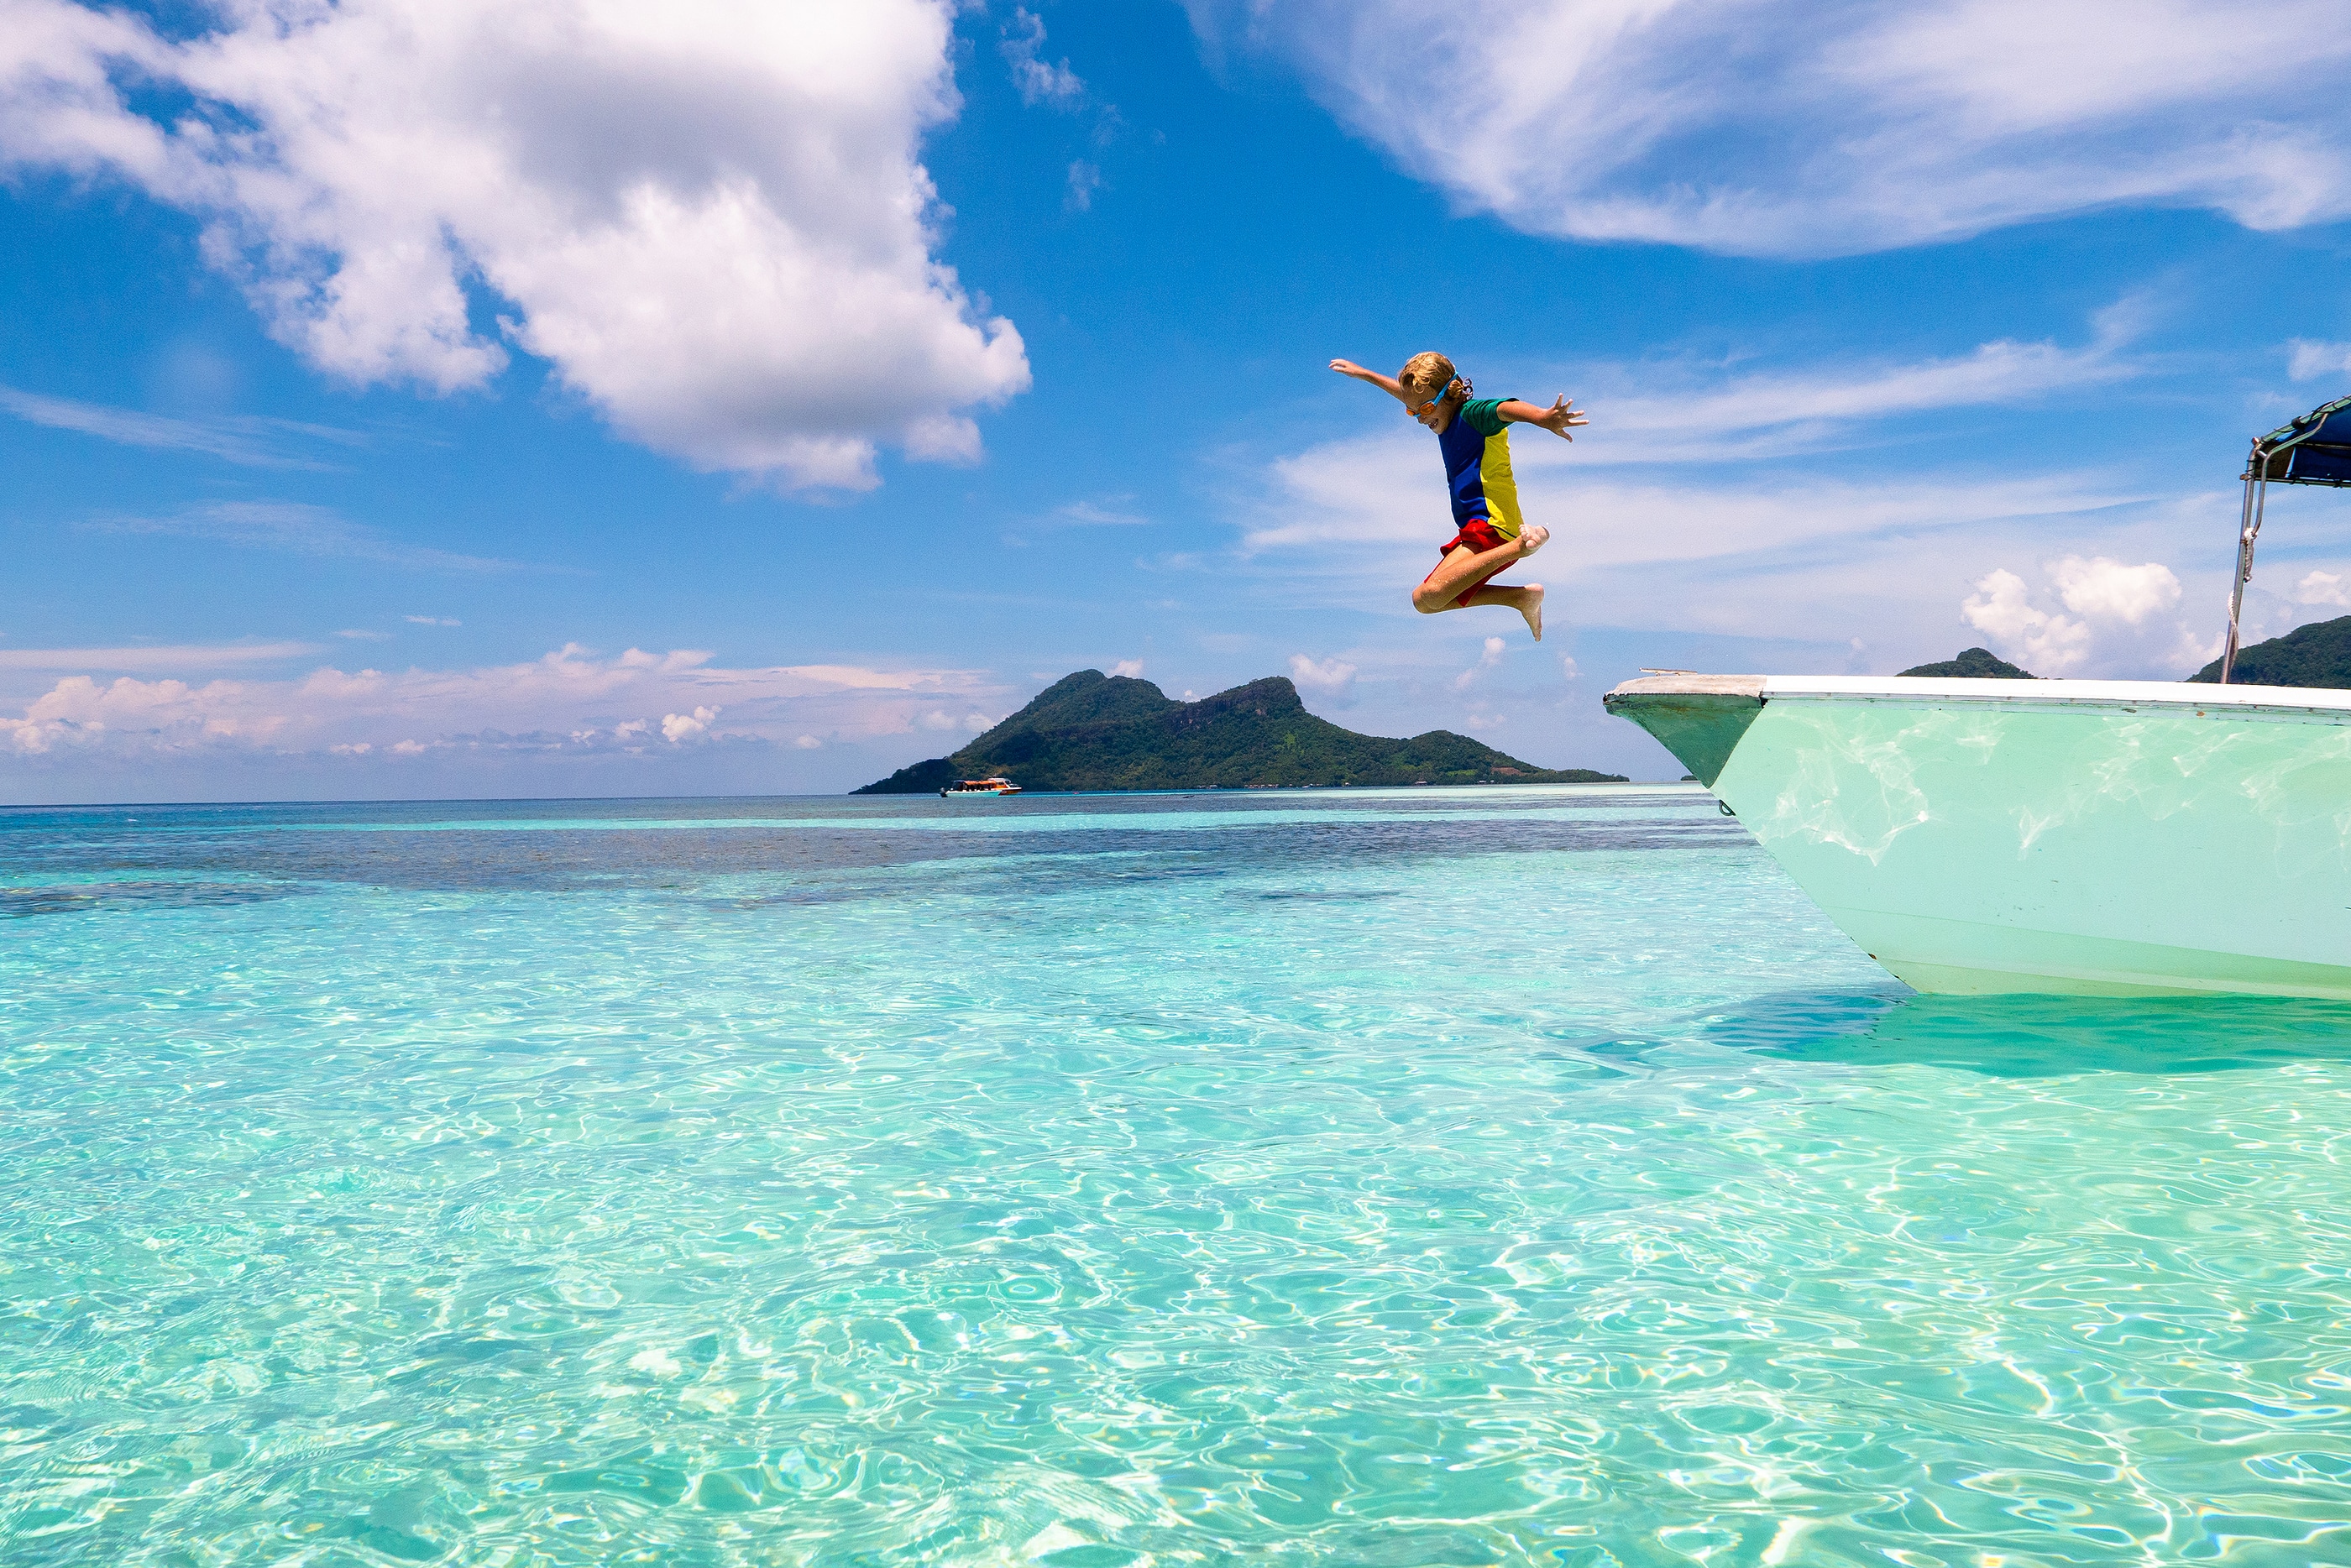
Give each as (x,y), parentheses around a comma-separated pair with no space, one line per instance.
(1428,375)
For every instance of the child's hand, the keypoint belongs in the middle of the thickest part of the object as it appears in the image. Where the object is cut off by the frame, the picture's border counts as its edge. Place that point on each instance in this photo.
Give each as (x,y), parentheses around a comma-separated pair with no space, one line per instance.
(1347,367)
(1563,416)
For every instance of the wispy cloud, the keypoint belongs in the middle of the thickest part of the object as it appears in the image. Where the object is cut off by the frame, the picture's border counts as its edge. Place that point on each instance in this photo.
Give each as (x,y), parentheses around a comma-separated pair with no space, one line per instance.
(1088,515)
(184,657)
(1038,79)
(1830,127)
(1385,488)
(1759,539)
(1799,555)
(299,529)
(1365,492)
(1668,413)
(1109,512)
(574,702)
(2307,359)
(249,440)
(1489,657)
(1773,412)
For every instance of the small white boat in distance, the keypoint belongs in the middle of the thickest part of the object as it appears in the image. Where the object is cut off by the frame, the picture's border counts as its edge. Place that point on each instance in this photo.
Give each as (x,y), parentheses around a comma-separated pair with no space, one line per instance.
(2103,837)
(980,786)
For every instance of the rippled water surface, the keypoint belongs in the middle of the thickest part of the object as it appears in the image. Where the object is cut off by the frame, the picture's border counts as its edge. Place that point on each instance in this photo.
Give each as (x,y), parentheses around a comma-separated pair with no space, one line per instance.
(1407,1177)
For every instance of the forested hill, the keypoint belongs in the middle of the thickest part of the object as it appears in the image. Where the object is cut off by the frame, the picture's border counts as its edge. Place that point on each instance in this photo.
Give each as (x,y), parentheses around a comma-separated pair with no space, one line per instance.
(1091,730)
(2318,654)
(1972,664)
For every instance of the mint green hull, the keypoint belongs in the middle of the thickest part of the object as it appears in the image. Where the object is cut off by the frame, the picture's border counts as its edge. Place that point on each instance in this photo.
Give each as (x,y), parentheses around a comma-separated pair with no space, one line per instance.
(2096,837)
(1983,846)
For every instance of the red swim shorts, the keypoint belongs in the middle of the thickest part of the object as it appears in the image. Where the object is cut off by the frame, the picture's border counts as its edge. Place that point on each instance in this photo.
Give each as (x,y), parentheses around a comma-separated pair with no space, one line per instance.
(1480,535)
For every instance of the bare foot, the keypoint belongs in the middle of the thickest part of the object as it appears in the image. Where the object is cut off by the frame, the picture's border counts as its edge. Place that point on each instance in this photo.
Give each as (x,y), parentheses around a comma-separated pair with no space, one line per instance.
(1531,607)
(1532,537)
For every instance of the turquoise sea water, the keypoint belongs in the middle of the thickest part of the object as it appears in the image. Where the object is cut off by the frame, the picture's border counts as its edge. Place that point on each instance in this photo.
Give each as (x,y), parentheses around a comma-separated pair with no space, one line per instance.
(1404,1177)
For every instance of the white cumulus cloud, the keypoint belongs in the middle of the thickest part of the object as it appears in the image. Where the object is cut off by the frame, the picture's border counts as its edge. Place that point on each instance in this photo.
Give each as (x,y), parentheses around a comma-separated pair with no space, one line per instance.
(2324,589)
(572,702)
(1823,127)
(2111,619)
(677,727)
(708,216)
(1331,677)
(2102,588)
(2045,643)
(1130,668)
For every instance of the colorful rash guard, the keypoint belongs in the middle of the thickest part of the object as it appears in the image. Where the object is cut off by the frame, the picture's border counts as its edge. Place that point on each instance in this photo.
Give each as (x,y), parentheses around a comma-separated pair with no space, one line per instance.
(1477,447)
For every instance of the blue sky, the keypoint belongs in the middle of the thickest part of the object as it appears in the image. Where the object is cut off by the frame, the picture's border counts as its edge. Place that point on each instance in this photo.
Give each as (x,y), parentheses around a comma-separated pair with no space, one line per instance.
(567,399)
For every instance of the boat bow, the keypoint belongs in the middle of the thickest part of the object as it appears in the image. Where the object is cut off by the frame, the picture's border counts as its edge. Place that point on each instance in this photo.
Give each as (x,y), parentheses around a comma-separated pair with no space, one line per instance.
(2070,836)
(1698,718)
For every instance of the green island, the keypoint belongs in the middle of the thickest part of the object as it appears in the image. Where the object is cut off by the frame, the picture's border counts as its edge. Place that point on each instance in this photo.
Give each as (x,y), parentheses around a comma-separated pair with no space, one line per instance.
(1095,731)
(2318,654)
(1972,664)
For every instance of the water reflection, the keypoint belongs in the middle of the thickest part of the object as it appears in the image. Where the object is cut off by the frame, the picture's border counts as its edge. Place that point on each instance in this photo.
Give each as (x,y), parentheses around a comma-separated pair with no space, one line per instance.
(2040,1036)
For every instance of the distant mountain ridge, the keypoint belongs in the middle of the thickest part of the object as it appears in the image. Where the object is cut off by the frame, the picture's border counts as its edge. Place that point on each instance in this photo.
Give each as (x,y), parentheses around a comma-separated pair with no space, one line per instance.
(1973,664)
(2318,654)
(1089,730)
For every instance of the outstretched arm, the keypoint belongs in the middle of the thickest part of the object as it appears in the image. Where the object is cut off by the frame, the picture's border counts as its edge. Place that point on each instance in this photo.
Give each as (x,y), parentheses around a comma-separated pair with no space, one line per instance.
(1388,384)
(1558,418)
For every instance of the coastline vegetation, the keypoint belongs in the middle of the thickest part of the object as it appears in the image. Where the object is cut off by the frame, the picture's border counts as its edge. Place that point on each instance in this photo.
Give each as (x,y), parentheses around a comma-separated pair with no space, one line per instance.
(1089,730)
(2318,654)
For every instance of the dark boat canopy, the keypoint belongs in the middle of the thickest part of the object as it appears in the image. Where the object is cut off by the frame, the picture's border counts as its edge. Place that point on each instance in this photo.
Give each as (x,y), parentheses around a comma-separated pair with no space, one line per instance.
(2313,450)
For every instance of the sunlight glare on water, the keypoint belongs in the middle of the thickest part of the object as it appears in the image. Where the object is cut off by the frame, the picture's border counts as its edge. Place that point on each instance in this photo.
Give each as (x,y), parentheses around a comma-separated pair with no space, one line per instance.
(1399,1178)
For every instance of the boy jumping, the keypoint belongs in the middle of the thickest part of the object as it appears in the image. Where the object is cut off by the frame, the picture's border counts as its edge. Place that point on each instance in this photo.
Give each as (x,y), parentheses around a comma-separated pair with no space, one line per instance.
(1476,443)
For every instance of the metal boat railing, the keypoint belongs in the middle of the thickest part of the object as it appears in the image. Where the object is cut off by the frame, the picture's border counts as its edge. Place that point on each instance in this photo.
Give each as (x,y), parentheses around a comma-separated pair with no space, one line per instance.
(2313,450)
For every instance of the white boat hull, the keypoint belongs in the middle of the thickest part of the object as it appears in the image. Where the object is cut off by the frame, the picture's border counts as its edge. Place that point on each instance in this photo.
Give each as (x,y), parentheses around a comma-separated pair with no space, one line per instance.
(2121,839)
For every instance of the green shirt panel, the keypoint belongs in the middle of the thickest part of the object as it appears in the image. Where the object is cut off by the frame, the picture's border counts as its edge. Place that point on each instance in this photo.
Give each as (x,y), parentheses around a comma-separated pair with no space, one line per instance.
(1484,416)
